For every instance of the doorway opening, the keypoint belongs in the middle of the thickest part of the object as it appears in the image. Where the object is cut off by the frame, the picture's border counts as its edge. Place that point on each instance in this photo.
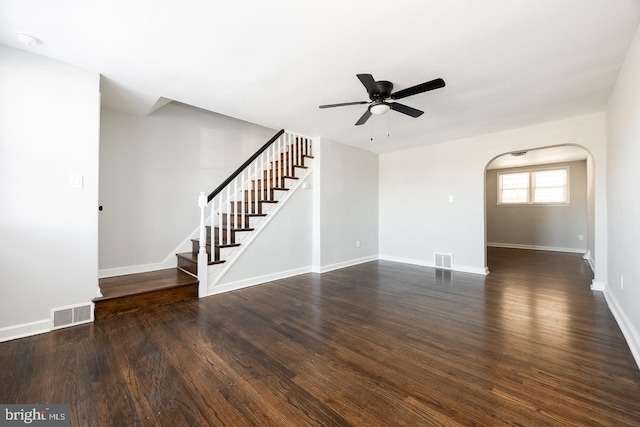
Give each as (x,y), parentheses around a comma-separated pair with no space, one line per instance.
(541,199)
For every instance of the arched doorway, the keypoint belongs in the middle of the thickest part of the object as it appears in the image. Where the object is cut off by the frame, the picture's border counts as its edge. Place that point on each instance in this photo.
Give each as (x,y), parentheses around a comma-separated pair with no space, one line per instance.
(523,207)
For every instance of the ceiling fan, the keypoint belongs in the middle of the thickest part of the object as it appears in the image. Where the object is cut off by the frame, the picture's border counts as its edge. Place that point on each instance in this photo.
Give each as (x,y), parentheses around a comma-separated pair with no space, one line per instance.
(380,91)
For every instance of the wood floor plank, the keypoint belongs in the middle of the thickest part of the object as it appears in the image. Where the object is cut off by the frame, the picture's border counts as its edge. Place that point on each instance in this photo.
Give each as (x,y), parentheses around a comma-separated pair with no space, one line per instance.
(376,344)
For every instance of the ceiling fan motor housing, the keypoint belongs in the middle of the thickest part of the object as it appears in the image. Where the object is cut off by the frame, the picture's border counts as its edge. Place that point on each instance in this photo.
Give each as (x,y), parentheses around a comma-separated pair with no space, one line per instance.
(385,88)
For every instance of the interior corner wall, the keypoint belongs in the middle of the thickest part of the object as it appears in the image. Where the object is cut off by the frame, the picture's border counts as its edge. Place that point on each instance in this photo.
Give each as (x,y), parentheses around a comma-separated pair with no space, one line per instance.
(49,131)
(152,169)
(551,227)
(417,218)
(346,206)
(623,175)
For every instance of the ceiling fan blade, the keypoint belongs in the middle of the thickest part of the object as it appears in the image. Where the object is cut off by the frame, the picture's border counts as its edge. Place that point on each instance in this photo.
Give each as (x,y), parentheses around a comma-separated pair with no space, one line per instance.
(343,104)
(364,118)
(404,109)
(414,90)
(369,83)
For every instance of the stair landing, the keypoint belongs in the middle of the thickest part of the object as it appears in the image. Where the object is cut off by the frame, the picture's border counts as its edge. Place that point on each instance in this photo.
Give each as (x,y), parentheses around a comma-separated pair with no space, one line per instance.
(134,292)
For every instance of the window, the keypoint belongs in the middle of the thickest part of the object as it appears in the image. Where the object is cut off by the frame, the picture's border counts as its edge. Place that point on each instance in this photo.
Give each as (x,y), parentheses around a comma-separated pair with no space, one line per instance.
(534,187)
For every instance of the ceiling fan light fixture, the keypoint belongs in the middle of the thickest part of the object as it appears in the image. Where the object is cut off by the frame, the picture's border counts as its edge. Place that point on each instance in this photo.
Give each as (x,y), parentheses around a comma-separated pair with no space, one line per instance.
(379,108)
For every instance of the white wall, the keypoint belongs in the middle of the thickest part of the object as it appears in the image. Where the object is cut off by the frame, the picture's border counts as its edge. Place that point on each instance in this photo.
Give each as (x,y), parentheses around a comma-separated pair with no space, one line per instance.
(546,227)
(416,218)
(49,130)
(151,171)
(346,203)
(623,176)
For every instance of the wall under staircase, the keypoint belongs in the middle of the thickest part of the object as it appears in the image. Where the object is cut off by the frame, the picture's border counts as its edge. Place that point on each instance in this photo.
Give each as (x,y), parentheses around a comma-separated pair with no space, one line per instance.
(244,205)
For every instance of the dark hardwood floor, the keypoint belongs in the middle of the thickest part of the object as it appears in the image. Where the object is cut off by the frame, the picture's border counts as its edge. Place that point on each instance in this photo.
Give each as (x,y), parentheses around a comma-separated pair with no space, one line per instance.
(378,344)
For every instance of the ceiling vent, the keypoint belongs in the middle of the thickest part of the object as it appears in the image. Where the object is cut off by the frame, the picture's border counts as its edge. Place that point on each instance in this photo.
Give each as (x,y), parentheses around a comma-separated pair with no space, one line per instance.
(442,260)
(62,317)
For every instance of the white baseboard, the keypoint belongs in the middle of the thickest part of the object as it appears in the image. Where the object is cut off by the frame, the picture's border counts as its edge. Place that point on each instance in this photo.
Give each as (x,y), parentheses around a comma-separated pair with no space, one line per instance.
(587,257)
(134,269)
(233,286)
(428,263)
(344,264)
(536,248)
(25,330)
(598,286)
(629,332)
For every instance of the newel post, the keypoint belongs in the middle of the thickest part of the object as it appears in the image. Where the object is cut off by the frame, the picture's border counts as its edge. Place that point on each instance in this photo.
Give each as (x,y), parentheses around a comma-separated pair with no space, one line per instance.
(203,258)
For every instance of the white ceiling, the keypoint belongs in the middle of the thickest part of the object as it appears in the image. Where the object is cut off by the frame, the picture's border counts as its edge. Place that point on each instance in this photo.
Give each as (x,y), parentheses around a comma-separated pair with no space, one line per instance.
(507,63)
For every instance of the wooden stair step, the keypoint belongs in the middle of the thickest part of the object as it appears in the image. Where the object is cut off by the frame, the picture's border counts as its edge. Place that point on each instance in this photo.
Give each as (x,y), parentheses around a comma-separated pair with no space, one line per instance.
(134,292)
(196,245)
(188,261)
(249,207)
(231,219)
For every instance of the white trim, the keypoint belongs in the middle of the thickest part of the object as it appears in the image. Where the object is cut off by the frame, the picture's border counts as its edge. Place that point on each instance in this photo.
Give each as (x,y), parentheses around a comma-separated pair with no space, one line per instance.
(343,264)
(630,333)
(598,286)
(587,257)
(25,330)
(134,269)
(536,248)
(228,287)
(425,263)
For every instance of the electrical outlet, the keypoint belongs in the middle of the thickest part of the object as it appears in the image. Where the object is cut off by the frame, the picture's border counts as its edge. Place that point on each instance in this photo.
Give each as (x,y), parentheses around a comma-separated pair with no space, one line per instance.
(621,282)
(357,243)
(580,237)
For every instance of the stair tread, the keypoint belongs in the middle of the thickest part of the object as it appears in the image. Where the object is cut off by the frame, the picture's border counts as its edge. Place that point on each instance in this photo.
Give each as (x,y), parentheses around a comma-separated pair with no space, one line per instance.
(259,200)
(233,229)
(140,283)
(246,214)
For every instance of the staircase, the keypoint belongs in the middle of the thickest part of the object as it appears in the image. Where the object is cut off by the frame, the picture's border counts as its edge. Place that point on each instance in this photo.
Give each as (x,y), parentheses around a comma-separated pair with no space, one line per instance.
(239,208)
(237,211)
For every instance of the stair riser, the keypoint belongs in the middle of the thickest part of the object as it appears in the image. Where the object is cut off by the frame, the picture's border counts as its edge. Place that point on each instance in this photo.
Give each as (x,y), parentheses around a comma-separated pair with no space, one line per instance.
(133,303)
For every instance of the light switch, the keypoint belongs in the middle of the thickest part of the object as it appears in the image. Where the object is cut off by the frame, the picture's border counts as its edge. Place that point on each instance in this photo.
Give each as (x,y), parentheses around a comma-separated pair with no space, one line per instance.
(75,181)
(450,199)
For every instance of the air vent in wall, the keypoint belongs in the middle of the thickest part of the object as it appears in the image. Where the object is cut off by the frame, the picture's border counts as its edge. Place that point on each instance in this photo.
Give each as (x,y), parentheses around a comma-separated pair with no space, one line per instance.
(442,260)
(71,315)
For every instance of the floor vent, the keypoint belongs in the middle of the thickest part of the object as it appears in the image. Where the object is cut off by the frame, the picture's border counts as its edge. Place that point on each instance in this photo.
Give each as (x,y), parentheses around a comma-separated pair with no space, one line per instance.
(443,260)
(71,315)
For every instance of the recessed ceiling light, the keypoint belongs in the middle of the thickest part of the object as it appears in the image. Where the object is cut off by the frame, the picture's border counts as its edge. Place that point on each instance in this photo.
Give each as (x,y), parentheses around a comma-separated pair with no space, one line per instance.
(28,40)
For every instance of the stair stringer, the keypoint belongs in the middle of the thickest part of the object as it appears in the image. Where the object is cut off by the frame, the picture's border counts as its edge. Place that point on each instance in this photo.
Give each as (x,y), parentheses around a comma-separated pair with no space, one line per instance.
(217,272)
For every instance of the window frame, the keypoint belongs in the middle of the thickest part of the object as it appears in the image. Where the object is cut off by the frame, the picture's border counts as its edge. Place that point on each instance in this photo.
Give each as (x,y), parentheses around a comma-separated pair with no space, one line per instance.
(531,189)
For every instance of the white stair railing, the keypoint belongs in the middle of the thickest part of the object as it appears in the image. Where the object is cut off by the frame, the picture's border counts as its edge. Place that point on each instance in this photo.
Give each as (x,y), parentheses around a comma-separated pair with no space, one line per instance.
(232,205)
